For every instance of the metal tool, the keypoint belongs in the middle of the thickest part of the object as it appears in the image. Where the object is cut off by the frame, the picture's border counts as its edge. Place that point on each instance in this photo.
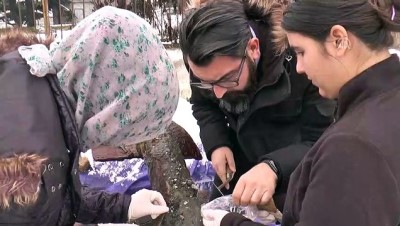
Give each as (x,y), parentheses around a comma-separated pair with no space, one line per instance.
(229,177)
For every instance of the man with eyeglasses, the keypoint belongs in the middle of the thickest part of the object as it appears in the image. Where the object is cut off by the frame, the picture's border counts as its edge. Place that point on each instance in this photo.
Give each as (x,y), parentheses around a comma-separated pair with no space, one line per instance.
(257,116)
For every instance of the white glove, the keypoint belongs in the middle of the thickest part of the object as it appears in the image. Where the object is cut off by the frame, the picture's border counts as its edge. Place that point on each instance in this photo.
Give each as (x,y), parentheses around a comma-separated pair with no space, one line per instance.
(213,217)
(146,202)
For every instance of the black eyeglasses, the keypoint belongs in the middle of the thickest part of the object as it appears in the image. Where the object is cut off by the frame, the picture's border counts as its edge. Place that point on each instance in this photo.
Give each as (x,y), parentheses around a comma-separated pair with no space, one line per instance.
(225,82)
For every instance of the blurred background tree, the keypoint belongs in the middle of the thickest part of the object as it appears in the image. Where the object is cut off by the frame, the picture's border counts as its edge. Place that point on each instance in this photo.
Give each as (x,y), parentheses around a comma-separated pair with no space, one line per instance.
(164,15)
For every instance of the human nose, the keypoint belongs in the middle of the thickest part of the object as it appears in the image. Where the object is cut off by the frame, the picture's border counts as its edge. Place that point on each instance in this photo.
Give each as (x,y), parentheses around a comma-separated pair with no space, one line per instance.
(219,91)
(299,67)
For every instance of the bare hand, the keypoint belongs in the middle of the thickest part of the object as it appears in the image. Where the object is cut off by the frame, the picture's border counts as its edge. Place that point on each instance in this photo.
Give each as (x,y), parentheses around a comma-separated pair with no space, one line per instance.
(255,187)
(213,217)
(222,161)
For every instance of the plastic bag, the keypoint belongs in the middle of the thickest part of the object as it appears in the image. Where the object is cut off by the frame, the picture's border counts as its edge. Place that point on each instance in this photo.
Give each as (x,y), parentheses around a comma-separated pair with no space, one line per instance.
(251,212)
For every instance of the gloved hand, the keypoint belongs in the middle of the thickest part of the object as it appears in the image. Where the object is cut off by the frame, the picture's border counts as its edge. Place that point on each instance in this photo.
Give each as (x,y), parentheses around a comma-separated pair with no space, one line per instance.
(146,202)
(213,217)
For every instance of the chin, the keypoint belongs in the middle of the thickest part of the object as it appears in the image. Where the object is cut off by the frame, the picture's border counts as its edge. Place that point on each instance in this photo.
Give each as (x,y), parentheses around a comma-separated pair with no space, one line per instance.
(327,95)
(323,93)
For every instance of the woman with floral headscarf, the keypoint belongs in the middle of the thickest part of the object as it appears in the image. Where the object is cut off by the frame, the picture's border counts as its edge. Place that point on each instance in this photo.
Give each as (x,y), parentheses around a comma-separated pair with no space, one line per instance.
(117,87)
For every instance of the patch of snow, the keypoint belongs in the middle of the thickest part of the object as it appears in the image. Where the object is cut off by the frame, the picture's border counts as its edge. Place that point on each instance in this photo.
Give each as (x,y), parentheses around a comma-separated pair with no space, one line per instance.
(184,117)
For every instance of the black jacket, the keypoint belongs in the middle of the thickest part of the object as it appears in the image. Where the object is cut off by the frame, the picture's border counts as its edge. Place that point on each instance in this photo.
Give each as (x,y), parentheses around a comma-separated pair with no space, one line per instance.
(36,119)
(352,174)
(287,114)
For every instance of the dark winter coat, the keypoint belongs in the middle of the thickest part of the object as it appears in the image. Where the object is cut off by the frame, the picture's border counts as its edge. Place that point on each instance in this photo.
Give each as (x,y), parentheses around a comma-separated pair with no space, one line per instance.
(352,174)
(37,129)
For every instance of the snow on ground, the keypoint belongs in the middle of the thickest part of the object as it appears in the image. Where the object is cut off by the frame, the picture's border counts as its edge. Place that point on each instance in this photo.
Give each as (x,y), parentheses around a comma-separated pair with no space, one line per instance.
(183,75)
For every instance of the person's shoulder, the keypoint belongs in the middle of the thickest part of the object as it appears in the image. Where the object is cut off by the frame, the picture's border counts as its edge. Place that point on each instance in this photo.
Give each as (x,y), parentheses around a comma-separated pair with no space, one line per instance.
(339,143)
(11,62)
(14,55)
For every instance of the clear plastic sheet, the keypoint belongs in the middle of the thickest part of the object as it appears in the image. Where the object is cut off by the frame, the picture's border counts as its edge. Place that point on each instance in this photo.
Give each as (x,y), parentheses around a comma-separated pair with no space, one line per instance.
(251,212)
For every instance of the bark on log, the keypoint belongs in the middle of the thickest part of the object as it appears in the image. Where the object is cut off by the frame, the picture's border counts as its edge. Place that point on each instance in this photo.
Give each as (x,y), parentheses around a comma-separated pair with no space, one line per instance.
(170,176)
(185,142)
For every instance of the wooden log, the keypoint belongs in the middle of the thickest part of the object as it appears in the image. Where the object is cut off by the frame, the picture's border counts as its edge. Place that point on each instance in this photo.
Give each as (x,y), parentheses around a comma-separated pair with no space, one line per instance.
(170,176)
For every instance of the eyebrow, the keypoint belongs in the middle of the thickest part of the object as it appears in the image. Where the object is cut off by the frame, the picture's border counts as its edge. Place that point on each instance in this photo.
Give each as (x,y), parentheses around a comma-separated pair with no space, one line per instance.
(296,48)
(228,74)
(218,80)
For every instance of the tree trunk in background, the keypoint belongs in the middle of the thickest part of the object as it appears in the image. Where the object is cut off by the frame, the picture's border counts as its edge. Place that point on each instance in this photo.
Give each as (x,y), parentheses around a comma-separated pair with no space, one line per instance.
(14,11)
(30,22)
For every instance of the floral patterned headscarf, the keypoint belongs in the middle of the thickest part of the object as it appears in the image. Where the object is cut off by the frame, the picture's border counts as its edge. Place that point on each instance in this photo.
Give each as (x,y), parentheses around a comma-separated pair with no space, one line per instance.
(116,74)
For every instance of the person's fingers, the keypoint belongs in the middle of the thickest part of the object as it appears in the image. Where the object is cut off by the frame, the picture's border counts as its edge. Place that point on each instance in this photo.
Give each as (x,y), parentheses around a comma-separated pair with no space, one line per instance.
(158,198)
(157,210)
(220,169)
(231,167)
(246,195)
(219,162)
(256,197)
(238,191)
(231,162)
(266,198)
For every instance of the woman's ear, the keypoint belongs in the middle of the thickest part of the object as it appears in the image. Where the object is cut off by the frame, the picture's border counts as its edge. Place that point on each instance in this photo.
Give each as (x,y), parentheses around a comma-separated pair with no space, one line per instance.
(338,41)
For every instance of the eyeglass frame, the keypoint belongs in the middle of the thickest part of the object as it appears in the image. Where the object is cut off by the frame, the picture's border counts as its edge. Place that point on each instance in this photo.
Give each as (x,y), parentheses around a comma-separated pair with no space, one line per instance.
(210,85)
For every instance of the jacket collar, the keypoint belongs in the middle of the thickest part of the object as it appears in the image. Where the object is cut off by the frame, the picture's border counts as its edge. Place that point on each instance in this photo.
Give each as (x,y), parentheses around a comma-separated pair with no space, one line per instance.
(270,65)
(272,71)
(377,79)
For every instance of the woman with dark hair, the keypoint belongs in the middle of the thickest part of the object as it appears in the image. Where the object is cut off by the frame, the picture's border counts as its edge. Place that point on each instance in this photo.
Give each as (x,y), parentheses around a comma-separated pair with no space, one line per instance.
(351,176)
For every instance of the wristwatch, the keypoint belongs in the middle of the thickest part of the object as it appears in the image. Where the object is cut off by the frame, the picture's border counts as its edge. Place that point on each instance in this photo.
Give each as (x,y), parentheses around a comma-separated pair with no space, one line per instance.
(272,165)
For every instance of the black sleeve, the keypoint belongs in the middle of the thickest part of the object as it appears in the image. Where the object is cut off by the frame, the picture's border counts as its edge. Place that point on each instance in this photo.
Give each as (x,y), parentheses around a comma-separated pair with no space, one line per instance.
(214,132)
(316,116)
(102,207)
(351,183)
(235,219)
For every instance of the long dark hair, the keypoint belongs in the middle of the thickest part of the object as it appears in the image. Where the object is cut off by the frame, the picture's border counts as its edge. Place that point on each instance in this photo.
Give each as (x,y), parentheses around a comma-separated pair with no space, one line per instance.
(221,28)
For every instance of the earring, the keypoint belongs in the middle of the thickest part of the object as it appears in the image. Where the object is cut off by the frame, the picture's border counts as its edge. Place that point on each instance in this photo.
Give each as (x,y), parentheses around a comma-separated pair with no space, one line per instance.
(343,43)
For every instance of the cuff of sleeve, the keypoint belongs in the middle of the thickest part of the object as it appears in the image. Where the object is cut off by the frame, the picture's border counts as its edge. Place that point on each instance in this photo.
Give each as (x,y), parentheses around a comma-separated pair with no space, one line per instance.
(265,160)
(126,205)
(231,219)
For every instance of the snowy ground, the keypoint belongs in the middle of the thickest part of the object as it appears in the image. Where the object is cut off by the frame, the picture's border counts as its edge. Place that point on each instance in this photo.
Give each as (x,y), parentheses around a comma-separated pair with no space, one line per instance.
(183,75)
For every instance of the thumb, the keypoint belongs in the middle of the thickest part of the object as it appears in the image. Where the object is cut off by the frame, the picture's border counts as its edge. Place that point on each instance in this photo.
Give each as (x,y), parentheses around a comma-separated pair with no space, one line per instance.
(157,210)
(158,198)
(231,162)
